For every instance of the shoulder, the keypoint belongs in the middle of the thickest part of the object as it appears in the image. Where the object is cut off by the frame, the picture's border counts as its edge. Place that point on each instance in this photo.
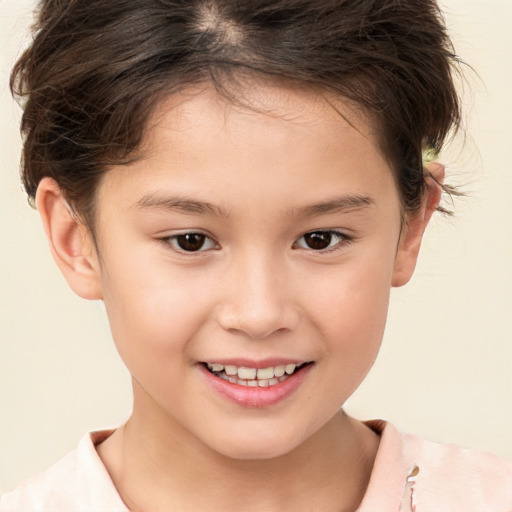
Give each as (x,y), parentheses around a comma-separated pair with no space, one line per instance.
(450,476)
(411,473)
(78,482)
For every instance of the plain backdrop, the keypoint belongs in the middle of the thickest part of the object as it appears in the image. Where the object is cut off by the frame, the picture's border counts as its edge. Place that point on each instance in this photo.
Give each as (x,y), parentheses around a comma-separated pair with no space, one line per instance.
(445,369)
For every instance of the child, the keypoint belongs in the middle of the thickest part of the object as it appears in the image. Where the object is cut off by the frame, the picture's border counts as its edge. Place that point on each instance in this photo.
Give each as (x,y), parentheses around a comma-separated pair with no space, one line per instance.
(242,183)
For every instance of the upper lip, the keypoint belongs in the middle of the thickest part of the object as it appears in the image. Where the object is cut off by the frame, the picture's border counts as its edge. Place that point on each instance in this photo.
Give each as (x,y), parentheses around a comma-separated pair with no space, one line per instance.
(261,363)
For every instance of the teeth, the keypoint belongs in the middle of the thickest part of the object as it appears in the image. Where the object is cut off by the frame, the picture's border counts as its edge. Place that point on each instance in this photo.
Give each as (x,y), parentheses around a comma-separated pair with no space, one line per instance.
(230,370)
(252,377)
(265,373)
(289,368)
(247,373)
(279,371)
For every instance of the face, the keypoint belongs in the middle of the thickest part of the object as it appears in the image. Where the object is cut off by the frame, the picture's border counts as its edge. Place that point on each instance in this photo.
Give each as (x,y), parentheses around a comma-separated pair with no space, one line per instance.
(245,264)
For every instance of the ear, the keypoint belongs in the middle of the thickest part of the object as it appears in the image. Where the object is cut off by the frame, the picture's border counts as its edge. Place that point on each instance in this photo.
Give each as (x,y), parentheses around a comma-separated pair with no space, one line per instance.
(70,241)
(415,225)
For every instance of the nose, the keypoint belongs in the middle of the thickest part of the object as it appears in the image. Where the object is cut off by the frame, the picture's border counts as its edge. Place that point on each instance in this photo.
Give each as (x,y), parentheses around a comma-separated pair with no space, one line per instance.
(259,301)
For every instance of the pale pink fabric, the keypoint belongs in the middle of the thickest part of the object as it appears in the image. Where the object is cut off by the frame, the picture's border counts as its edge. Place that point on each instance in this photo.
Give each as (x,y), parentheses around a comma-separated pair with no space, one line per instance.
(79,482)
(410,474)
(449,478)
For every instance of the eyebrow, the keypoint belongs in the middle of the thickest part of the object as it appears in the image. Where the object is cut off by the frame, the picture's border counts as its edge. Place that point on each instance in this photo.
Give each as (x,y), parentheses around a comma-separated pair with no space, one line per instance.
(342,204)
(180,204)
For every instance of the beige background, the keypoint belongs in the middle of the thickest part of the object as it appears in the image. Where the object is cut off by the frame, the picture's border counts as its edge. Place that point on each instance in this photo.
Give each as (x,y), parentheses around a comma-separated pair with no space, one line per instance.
(445,367)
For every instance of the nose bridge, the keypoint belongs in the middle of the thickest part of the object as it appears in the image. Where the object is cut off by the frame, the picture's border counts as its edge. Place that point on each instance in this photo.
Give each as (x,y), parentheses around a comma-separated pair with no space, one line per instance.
(259,301)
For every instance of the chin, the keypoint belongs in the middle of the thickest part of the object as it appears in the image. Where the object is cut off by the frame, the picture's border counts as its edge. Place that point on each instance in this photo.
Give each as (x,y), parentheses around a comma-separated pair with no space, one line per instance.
(256,446)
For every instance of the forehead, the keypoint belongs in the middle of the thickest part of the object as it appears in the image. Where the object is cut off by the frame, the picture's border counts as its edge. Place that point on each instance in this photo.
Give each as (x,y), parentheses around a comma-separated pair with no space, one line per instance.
(249,105)
(272,140)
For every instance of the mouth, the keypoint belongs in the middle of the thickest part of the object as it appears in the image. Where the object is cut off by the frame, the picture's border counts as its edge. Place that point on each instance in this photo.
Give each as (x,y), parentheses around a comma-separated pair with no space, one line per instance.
(255,377)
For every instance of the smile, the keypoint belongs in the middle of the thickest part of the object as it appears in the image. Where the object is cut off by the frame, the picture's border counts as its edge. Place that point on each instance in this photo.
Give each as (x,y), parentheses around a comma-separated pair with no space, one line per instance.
(254,377)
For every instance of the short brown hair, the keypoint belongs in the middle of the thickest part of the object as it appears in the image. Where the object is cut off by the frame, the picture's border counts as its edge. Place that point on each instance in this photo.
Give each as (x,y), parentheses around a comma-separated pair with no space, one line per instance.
(96,69)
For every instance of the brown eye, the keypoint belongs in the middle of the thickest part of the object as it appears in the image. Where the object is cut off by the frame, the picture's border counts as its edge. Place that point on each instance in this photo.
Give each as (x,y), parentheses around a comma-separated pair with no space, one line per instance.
(321,240)
(191,242)
(318,240)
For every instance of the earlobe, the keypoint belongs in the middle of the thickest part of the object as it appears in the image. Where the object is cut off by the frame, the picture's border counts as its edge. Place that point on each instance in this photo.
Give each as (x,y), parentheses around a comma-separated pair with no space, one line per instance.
(70,241)
(415,225)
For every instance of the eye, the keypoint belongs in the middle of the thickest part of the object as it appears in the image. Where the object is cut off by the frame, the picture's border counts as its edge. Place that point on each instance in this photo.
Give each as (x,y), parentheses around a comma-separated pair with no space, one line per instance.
(321,240)
(190,242)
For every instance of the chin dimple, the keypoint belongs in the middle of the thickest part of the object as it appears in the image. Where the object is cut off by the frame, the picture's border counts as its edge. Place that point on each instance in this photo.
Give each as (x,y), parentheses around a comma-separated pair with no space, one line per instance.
(254,377)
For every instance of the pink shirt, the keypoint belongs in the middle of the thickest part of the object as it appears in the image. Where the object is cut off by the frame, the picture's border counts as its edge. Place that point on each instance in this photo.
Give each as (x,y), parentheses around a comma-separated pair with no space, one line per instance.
(410,474)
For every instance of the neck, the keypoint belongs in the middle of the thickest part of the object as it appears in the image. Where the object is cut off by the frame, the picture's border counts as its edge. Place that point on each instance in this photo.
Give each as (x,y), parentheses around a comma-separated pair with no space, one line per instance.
(155,468)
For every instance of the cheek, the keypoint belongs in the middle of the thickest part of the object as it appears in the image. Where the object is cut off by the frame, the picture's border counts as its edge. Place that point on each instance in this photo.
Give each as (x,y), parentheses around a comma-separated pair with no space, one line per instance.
(351,309)
(355,296)
(153,311)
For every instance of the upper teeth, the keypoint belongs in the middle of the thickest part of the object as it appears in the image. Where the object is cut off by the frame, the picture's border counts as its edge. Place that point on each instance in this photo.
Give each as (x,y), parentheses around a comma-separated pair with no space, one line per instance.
(253,373)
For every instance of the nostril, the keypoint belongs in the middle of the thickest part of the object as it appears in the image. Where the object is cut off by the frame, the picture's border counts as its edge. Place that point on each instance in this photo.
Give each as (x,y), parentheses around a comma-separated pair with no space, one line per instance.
(258,310)
(257,325)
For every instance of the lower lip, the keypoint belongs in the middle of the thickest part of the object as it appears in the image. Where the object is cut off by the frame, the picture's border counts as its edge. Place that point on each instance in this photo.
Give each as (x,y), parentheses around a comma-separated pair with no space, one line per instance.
(256,397)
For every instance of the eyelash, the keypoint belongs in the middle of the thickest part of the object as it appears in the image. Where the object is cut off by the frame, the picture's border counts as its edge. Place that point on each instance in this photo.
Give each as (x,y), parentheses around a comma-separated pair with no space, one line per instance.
(173,242)
(343,240)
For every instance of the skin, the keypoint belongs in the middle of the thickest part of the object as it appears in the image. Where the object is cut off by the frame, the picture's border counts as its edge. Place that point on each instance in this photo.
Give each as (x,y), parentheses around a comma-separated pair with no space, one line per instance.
(257,291)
